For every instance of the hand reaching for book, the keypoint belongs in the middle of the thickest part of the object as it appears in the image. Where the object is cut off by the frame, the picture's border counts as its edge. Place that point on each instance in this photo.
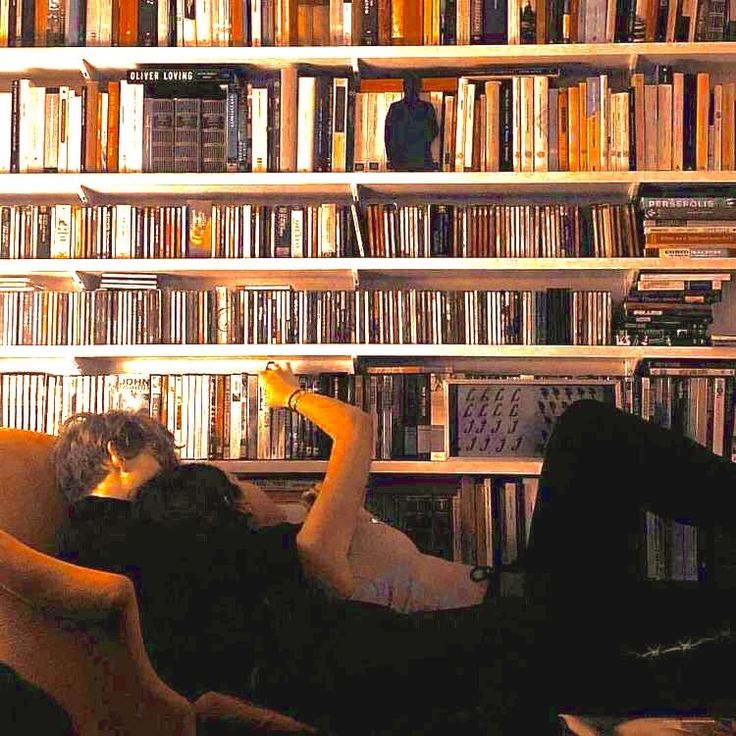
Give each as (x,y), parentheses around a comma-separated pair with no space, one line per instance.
(277,383)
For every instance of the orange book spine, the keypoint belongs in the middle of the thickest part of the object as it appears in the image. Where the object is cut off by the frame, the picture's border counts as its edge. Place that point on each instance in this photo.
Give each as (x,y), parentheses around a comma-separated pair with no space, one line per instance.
(384,22)
(593,115)
(99,123)
(583,125)
(289,23)
(563,131)
(128,23)
(113,125)
(573,123)
(40,23)
(237,32)
(701,121)
(115,22)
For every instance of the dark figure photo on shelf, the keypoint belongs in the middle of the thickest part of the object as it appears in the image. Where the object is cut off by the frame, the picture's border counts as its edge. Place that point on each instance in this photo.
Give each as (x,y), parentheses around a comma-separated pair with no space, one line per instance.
(411,126)
(338,619)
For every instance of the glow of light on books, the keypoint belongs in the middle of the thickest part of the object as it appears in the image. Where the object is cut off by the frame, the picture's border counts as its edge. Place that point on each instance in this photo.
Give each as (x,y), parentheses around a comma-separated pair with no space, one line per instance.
(212,365)
(38,361)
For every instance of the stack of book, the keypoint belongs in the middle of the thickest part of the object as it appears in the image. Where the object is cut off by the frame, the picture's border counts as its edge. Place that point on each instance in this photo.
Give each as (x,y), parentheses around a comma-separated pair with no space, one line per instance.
(109,281)
(692,225)
(670,309)
(18,283)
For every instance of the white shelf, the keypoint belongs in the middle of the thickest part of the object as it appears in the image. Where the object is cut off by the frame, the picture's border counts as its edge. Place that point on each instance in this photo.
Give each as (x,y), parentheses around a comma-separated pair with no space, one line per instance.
(572,185)
(115,61)
(185,352)
(454,466)
(235,267)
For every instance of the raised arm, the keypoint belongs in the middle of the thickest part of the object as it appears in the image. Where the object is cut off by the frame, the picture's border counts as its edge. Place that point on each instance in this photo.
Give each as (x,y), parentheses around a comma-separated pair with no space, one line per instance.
(325,536)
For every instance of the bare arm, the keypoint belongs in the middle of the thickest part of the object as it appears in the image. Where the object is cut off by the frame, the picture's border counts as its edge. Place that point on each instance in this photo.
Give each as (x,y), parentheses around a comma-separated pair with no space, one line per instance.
(325,536)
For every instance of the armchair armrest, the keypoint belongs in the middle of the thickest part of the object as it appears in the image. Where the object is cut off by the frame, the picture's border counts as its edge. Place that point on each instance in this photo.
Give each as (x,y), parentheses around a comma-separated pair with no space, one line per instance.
(227,715)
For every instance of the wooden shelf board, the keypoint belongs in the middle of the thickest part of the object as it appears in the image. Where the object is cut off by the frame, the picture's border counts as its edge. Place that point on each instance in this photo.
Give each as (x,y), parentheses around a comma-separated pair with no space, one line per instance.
(447,186)
(454,466)
(329,267)
(112,61)
(198,352)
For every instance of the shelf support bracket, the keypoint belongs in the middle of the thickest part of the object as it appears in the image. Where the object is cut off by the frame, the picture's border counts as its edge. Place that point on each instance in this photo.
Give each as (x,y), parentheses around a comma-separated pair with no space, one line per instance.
(84,195)
(89,70)
(355,65)
(83,281)
(355,192)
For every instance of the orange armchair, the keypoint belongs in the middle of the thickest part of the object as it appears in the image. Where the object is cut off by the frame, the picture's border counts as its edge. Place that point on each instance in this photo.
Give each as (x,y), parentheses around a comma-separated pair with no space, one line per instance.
(74,632)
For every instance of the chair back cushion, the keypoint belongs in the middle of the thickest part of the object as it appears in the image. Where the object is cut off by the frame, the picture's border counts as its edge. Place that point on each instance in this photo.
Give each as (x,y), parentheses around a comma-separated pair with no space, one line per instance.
(31,508)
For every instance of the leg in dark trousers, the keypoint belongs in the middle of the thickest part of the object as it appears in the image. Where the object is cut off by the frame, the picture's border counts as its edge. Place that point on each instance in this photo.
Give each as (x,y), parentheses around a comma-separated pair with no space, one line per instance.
(601,468)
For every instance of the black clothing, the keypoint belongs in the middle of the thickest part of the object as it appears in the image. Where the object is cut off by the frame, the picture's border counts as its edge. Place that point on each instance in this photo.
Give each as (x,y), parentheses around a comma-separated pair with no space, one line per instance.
(26,709)
(227,608)
(603,466)
(411,126)
(197,567)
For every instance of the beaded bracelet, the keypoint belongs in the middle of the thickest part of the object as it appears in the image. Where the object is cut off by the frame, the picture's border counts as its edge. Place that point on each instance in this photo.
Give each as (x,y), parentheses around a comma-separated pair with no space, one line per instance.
(295,393)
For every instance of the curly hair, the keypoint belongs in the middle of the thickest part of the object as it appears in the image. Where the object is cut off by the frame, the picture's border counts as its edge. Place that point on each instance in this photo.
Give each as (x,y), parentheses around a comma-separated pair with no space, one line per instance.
(80,453)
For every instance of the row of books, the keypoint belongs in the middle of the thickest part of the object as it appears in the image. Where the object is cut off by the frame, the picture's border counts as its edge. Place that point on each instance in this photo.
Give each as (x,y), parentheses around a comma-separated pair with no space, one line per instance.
(500,231)
(368,22)
(670,308)
(429,22)
(698,403)
(669,120)
(195,229)
(411,407)
(203,229)
(271,316)
(180,119)
(174,23)
(226,120)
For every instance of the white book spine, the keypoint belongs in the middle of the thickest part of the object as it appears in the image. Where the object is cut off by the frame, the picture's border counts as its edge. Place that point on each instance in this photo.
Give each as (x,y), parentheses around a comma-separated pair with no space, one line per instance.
(203,22)
(123,230)
(162,22)
(260,129)
(347,23)
(256,23)
(461,119)
(469,126)
(305,124)
(5,110)
(526,123)
(63,130)
(74,146)
(236,414)
(541,107)
(24,133)
(60,246)
(297,232)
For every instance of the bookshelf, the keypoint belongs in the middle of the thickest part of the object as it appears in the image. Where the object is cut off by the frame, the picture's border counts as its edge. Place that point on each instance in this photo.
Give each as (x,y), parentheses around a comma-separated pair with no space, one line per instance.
(74,66)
